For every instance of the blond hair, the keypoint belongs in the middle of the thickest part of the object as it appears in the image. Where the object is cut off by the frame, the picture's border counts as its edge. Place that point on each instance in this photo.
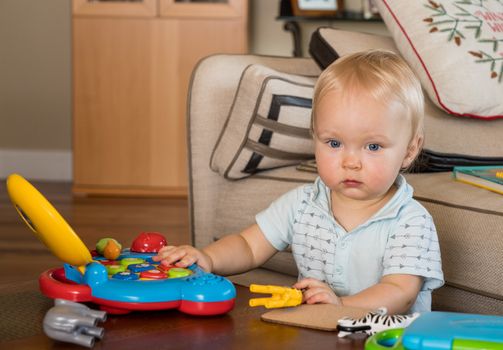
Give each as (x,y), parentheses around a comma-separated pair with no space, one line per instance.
(383,75)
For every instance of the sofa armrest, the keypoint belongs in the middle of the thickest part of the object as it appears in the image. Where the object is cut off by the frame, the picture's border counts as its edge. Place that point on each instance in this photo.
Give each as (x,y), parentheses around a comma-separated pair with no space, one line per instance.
(213,85)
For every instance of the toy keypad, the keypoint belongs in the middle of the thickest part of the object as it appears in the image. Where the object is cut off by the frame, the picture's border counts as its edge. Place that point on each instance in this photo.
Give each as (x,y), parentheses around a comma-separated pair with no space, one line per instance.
(130,268)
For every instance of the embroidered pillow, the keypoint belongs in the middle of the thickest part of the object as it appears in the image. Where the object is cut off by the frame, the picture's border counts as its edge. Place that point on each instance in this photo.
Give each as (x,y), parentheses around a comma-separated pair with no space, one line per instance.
(456,49)
(268,125)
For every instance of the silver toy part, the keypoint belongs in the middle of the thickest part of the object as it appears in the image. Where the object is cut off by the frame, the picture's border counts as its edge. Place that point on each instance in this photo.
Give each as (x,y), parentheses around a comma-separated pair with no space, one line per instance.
(73,322)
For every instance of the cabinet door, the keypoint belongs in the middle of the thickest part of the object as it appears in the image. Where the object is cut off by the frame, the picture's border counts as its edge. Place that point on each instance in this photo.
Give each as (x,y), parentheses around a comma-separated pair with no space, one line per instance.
(200,9)
(116,8)
(127,127)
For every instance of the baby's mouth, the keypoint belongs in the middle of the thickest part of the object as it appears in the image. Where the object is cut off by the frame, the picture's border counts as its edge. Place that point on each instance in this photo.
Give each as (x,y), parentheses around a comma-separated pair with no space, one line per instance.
(351,183)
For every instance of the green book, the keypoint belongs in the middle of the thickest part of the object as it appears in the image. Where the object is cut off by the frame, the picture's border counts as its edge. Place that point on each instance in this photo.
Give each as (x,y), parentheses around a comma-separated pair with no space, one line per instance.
(489,177)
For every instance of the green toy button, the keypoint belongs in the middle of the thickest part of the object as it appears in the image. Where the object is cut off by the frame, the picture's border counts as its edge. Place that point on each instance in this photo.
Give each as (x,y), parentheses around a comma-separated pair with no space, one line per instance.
(177,272)
(128,261)
(113,269)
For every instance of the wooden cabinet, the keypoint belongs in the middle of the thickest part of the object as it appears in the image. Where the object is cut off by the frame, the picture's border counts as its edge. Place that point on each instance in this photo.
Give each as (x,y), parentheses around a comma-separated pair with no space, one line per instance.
(132,62)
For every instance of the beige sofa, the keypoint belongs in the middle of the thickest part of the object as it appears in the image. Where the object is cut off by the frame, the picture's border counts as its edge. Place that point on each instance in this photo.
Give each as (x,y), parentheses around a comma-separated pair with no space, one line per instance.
(469,220)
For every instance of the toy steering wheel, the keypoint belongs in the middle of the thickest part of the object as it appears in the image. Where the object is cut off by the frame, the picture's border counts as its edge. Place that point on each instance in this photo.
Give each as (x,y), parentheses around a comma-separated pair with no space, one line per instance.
(45,221)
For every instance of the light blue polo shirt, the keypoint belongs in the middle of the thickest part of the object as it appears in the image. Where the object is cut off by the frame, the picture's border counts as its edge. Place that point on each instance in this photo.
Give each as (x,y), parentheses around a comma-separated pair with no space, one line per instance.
(399,239)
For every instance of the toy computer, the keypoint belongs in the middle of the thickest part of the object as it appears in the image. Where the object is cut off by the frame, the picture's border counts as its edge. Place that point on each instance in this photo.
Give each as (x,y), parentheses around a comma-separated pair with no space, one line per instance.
(131,281)
(443,331)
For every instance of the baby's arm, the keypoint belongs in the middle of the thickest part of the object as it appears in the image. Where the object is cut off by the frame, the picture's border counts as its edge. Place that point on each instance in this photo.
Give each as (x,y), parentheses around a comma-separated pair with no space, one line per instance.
(240,252)
(396,292)
(230,255)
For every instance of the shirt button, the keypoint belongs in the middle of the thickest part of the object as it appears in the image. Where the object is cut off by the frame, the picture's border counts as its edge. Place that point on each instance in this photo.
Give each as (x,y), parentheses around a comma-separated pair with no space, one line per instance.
(343,245)
(338,270)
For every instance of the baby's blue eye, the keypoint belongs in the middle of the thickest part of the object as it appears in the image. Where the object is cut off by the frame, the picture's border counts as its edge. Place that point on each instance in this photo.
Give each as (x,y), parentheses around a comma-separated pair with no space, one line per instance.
(334,143)
(373,147)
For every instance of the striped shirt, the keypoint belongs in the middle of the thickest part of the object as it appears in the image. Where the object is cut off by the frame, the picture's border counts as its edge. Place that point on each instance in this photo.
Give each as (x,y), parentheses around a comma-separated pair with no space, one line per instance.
(399,239)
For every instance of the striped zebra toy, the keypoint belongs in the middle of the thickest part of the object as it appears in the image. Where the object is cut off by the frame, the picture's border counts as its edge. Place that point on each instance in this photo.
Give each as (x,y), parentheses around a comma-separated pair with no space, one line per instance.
(373,322)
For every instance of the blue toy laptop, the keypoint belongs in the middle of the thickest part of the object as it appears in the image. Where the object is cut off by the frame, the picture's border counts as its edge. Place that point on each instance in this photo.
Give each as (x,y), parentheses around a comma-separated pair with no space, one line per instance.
(443,331)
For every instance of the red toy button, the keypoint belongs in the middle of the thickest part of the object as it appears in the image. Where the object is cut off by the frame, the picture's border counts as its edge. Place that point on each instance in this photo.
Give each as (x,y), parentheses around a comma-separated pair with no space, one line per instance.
(153,274)
(148,242)
(165,268)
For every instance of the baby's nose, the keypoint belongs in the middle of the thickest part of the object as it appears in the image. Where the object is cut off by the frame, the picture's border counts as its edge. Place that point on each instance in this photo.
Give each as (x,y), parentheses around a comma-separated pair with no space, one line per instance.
(351,161)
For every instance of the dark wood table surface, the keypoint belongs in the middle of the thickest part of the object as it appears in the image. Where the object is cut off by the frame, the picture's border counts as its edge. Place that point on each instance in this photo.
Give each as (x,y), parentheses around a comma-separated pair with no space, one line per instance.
(241,328)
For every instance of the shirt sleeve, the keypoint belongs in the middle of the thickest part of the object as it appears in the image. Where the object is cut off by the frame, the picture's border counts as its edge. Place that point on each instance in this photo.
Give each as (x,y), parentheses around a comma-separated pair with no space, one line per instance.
(413,248)
(276,222)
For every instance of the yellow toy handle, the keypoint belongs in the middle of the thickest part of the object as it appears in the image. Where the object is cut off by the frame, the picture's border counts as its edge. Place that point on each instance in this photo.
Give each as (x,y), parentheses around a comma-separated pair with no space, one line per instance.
(45,221)
(281,296)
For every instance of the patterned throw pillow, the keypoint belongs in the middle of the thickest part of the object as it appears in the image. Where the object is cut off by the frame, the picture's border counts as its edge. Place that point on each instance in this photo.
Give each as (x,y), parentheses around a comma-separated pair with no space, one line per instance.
(456,49)
(268,125)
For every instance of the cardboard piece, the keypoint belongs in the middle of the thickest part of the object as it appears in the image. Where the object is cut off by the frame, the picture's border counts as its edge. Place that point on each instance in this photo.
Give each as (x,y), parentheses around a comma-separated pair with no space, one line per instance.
(318,316)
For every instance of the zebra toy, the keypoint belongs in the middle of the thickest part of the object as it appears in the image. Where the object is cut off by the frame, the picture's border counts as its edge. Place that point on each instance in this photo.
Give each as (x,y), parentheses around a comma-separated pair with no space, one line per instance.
(373,322)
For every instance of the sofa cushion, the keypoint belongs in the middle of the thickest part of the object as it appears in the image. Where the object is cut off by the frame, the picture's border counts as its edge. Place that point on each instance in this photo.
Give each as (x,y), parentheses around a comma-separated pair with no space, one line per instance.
(448,141)
(469,221)
(455,299)
(450,45)
(268,125)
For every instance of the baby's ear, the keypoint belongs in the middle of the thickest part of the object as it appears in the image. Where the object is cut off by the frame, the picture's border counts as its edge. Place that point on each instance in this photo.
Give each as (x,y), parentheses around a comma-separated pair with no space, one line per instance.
(415,146)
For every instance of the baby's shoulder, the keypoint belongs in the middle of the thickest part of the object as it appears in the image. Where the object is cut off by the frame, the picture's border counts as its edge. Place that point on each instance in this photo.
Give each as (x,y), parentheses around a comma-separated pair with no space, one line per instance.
(307,189)
(413,209)
(295,196)
(302,192)
(414,219)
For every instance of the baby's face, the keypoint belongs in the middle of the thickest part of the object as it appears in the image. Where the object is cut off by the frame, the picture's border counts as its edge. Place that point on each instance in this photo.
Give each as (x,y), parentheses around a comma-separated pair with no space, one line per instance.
(360,145)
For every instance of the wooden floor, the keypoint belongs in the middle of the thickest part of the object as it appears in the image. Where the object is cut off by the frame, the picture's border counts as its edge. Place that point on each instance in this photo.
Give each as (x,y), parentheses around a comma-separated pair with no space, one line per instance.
(23,257)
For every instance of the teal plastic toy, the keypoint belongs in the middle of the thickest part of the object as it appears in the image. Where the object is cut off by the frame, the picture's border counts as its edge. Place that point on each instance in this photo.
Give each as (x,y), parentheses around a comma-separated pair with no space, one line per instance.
(443,331)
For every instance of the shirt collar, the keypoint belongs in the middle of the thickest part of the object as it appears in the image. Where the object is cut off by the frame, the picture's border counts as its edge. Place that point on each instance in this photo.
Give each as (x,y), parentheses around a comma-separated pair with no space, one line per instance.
(320,197)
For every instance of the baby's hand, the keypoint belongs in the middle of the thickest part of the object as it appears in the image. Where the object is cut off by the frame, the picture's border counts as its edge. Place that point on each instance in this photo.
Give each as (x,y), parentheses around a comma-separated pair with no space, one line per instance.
(183,256)
(317,292)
